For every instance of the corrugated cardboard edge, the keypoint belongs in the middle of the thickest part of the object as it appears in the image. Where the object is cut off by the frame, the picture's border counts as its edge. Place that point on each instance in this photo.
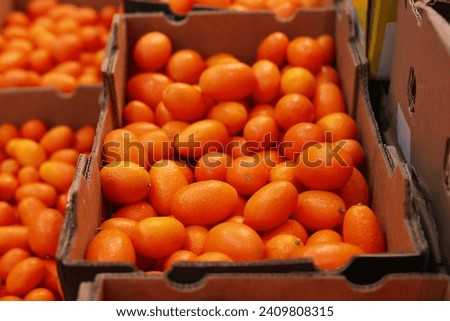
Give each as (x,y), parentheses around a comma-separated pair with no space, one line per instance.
(273,287)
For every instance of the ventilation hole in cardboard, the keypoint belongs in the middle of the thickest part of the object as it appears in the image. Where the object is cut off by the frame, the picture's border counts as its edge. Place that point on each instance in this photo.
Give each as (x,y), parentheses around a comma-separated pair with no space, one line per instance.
(447,166)
(411,92)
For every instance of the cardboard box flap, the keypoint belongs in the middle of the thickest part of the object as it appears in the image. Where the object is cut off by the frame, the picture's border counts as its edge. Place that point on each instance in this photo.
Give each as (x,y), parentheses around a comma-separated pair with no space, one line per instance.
(261,287)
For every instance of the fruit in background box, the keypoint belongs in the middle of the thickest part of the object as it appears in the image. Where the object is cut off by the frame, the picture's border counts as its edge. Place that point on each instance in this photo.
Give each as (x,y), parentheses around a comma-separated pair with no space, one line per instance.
(239,241)
(57,173)
(124,182)
(43,232)
(57,137)
(41,41)
(28,152)
(317,210)
(247,174)
(204,203)
(40,294)
(11,258)
(45,192)
(270,206)
(362,228)
(8,186)
(12,236)
(27,208)
(37,204)
(25,276)
(158,237)
(33,129)
(228,82)
(152,51)
(323,167)
(111,245)
(7,214)
(328,256)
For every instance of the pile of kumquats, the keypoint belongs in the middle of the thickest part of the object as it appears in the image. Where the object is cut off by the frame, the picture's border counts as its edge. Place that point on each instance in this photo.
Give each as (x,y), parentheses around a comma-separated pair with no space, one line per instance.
(37,165)
(219,160)
(52,44)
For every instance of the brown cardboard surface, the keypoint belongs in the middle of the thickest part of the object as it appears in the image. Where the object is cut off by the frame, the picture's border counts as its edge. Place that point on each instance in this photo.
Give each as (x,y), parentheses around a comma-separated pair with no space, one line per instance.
(418,106)
(262,287)
(406,247)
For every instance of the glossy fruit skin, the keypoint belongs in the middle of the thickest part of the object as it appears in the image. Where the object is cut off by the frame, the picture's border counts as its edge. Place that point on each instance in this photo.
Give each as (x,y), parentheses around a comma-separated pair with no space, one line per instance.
(323,167)
(201,137)
(25,276)
(317,209)
(124,182)
(328,256)
(158,237)
(204,203)
(166,178)
(270,206)
(111,245)
(362,228)
(239,241)
(228,82)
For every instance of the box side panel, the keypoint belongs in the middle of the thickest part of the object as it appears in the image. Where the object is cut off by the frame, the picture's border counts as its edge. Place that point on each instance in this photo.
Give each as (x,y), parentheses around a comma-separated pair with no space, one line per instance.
(269,287)
(418,105)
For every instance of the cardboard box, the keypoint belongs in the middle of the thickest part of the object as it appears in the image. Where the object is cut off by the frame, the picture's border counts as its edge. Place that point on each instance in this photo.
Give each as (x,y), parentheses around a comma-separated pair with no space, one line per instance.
(416,113)
(307,286)
(389,180)
(30,93)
